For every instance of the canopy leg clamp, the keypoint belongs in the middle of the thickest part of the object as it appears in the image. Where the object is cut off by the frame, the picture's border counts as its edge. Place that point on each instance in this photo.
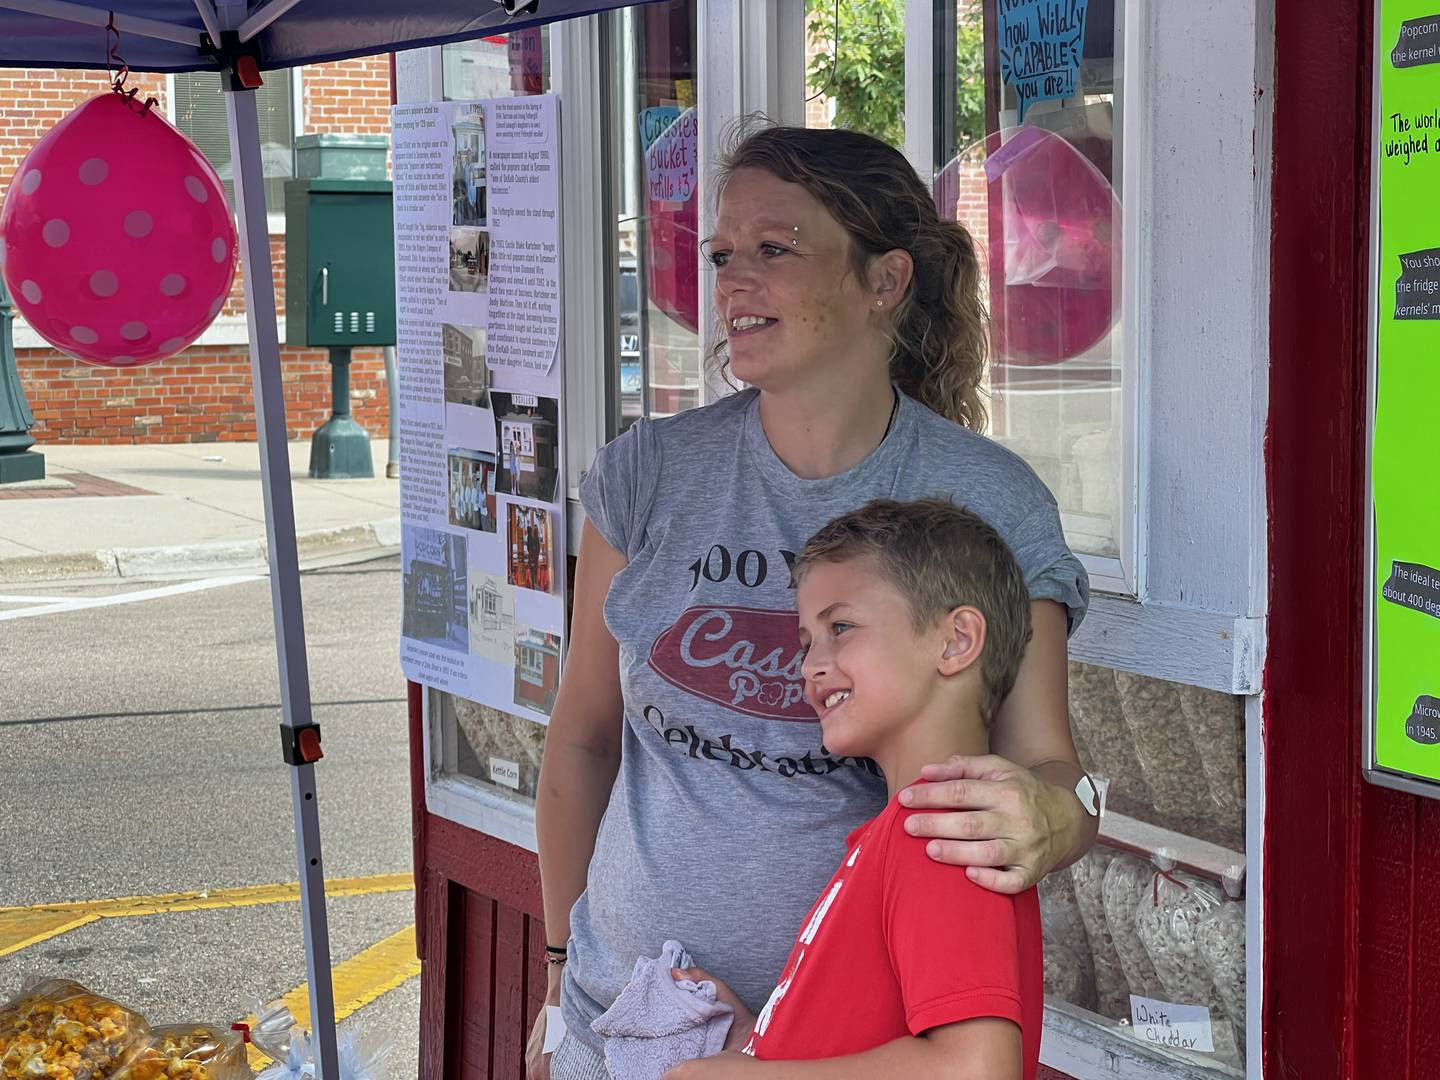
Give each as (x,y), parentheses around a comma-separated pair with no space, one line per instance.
(300,745)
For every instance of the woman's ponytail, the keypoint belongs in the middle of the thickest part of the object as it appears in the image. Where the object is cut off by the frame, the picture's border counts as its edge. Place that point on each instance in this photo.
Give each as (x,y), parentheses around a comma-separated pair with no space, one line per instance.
(940,338)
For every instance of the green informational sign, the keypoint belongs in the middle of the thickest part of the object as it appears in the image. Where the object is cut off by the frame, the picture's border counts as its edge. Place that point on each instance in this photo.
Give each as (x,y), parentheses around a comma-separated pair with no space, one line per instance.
(1404,548)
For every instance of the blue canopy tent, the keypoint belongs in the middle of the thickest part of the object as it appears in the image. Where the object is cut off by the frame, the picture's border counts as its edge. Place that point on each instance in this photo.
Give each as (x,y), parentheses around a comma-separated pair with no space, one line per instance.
(240,41)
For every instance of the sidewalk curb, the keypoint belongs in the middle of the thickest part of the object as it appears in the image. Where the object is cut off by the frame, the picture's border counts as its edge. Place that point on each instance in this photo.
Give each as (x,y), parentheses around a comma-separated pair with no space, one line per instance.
(203,558)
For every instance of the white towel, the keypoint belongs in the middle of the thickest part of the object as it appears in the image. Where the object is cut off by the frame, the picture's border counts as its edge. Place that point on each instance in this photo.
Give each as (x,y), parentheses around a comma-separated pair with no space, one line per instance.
(657,1022)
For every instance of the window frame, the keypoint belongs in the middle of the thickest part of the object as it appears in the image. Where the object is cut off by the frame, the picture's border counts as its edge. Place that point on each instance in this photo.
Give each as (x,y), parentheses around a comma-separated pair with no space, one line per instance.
(274,219)
(1119,575)
(1185,599)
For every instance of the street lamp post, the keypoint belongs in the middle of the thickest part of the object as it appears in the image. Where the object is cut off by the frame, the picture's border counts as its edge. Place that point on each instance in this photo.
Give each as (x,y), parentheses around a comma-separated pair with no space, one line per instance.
(17,461)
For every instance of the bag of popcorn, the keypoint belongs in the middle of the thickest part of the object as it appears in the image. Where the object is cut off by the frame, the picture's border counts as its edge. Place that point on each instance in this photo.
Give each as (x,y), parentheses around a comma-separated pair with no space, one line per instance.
(187,1052)
(1222,945)
(58,1028)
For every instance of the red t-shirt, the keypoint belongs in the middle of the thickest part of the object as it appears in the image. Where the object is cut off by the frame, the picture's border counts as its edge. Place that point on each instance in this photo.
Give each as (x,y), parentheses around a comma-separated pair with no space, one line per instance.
(897,944)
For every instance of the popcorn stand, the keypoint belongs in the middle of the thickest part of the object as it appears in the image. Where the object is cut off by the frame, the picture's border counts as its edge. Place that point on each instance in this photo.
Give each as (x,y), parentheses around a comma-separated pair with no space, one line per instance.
(1192,216)
(1176,223)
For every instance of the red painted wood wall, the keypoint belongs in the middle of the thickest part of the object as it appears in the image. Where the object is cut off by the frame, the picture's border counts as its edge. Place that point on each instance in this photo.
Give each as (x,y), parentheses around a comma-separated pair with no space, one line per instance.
(481,937)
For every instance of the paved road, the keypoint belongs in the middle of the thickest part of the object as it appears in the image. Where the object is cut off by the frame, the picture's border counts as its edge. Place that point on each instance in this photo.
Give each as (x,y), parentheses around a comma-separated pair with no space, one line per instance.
(142,759)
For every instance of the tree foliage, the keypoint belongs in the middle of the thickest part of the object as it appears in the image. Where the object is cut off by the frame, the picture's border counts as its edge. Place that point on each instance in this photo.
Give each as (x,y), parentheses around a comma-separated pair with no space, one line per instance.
(969,76)
(865,75)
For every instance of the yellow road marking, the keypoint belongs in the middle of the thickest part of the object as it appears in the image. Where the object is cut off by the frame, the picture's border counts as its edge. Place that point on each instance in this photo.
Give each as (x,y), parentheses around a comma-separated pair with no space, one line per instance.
(358,981)
(22,927)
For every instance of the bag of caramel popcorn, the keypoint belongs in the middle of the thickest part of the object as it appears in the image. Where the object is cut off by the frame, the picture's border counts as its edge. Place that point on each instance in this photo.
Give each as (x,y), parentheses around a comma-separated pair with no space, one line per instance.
(187,1052)
(58,1029)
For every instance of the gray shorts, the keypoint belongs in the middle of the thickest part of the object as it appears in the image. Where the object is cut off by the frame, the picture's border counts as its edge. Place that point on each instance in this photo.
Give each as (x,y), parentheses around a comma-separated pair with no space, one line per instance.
(573,1060)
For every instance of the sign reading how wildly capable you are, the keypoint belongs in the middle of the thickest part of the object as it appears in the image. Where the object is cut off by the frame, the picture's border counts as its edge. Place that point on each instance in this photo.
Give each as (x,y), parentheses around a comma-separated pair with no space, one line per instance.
(1404,564)
(1041,47)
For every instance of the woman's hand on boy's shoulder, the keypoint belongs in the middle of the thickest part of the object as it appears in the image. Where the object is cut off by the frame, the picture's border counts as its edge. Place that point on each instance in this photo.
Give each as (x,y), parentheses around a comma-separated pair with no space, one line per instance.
(732,1063)
(1002,821)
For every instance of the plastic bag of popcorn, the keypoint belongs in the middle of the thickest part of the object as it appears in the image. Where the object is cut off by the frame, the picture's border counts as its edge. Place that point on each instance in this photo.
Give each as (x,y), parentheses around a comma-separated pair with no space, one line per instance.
(59,1029)
(187,1052)
(1222,945)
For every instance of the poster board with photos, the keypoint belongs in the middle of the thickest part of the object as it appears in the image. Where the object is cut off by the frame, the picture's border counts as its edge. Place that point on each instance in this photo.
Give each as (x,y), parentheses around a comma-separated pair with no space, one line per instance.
(477,242)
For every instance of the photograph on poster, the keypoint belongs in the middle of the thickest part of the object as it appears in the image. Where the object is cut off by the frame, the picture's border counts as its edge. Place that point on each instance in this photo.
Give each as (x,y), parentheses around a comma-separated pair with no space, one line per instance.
(530,548)
(494,747)
(537,669)
(467,379)
(467,130)
(472,489)
(469,260)
(492,618)
(434,604)
(526,434)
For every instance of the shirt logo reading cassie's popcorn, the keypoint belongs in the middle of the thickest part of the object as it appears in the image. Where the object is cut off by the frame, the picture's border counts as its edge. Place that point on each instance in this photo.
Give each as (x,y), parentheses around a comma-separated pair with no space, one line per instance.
(747,659)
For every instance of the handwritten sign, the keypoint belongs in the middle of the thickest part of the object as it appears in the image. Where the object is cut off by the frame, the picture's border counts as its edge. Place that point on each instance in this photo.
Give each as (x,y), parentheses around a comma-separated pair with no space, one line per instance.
(670,163)
(1163,1023)
(505,772)
(1041,46)
(1417,285)
(655,121)
(1418,43)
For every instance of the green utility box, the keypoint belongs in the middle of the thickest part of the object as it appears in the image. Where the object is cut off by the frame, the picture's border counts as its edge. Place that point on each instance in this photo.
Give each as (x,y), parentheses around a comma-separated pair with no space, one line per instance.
(339,293)
(341,157)
(339,263)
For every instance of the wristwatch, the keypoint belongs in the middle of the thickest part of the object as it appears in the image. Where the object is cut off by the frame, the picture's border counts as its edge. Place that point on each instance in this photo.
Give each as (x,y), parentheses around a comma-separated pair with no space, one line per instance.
(1087,794)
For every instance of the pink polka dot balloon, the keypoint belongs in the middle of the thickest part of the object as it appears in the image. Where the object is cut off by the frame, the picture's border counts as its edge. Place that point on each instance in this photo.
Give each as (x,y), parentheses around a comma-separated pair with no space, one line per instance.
(116,241)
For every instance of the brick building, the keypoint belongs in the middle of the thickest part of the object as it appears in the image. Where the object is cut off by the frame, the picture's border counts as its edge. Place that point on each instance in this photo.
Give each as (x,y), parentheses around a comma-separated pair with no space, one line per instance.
(202,395)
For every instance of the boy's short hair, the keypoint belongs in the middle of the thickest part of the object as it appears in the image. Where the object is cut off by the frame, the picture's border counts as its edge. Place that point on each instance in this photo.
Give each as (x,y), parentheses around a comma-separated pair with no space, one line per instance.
(940,556)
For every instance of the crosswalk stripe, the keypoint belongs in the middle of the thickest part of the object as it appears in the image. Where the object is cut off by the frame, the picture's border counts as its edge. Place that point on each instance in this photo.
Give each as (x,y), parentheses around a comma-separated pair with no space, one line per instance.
(83,603)
(22,927)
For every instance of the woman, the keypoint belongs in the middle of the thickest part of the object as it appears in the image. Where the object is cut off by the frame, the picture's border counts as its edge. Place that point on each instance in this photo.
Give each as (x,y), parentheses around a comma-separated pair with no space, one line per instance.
(853,314)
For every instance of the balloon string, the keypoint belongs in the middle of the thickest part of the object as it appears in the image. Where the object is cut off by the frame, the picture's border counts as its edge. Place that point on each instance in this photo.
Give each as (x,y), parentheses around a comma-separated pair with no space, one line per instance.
(117,79)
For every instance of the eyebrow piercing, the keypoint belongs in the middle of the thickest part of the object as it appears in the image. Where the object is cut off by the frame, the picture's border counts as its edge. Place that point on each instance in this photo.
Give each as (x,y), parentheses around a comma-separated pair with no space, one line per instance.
(794,242)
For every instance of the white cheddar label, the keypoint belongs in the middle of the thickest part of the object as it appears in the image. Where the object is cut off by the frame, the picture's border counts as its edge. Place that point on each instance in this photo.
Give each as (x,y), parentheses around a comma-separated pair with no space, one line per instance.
(1183,1027)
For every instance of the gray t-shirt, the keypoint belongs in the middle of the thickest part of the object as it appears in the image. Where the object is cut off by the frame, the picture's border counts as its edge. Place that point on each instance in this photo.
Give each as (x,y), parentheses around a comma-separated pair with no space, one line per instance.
(728,815)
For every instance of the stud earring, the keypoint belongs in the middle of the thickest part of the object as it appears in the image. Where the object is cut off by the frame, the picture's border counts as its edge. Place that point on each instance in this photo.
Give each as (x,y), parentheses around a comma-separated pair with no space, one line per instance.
(879,302)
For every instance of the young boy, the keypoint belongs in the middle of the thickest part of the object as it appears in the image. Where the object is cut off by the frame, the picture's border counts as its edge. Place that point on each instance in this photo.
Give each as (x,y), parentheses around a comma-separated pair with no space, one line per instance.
(914,617)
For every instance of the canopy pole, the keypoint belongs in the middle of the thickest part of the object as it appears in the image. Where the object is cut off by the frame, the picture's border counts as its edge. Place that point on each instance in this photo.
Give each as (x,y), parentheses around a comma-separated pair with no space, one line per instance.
(130,24)
(297,724)
(263,17)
